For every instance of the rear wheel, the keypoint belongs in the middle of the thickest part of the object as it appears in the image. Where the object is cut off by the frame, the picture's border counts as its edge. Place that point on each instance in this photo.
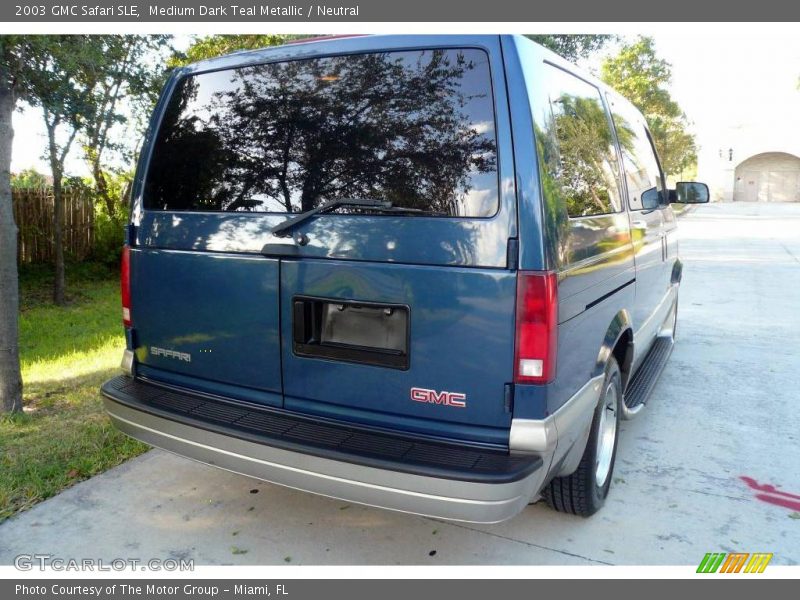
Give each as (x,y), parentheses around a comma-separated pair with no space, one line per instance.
(584,491)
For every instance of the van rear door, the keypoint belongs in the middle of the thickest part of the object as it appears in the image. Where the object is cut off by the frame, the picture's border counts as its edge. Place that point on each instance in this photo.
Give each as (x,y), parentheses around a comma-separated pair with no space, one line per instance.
(400,317)
(206,320)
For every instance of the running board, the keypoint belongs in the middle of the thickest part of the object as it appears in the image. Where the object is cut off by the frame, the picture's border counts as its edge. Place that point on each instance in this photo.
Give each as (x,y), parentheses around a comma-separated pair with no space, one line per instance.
(645,378)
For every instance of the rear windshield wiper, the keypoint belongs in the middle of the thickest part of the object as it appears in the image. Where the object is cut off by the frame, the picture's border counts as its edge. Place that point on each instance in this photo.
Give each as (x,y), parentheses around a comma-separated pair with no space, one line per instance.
(283,228)
(413,211)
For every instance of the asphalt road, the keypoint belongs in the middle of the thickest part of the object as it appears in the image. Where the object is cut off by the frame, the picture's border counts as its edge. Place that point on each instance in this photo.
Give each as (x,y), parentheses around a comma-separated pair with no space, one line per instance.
(726,407)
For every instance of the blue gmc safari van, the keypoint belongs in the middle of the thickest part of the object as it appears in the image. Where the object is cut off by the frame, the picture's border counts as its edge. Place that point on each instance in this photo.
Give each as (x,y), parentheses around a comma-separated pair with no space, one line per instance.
(425,273)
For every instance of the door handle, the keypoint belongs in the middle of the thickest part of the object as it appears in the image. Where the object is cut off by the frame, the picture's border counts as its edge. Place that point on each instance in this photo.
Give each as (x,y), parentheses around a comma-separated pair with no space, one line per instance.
(280,250)
(639,224)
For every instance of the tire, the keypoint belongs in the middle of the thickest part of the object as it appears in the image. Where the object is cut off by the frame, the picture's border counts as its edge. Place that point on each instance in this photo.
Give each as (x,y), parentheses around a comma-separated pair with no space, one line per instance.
(584,492)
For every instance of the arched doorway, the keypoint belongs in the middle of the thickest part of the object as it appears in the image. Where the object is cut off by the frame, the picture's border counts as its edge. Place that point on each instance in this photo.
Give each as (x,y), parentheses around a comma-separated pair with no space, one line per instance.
(768,177)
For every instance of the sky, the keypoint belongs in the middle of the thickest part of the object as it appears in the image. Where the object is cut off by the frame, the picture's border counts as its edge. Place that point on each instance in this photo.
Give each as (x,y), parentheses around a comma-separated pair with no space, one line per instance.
(721,80)
(732,81)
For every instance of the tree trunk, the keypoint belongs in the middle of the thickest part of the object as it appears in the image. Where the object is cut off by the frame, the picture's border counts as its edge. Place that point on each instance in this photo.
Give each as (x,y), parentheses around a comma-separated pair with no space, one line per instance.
(58,229)
(10,378)
(58,219)
(101,185)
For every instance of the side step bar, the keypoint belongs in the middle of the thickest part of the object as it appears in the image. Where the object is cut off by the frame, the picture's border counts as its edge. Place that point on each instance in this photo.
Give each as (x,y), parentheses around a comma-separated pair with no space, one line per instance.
(645,378)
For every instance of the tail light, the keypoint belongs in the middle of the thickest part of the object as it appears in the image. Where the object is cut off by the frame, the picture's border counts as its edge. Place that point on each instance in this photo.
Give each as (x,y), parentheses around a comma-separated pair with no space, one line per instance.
(537,327)
(125,285)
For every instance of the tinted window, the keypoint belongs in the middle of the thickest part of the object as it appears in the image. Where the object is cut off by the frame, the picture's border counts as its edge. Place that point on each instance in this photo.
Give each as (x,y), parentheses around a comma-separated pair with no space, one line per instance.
(577,145)
(642,173)
(416,128)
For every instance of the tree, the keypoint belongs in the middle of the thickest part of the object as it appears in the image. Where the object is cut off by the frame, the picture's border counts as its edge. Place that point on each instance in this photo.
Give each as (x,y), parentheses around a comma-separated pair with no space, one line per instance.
(573,47)
(13,54)
(67,78)
(130,82)
(644,79)
(28,178)
(63,75)
(60,86)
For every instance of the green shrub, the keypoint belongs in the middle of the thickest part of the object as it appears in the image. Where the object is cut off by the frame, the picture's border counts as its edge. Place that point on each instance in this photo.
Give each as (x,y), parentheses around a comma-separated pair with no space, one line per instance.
(109,232)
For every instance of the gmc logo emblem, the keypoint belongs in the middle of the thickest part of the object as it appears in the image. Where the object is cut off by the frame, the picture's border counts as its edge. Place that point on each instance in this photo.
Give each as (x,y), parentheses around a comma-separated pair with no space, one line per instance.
(434,397)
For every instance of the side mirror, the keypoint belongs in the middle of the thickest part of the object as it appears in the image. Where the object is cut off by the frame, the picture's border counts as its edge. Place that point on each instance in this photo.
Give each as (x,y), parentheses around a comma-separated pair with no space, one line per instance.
(689,192)
(650,199)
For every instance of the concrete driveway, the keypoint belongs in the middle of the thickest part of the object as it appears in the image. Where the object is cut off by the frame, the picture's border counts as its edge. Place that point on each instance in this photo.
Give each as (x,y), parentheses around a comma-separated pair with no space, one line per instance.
(726,408)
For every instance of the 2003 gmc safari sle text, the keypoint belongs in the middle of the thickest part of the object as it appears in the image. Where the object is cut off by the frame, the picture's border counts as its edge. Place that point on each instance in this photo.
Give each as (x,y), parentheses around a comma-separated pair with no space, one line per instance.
(424,273)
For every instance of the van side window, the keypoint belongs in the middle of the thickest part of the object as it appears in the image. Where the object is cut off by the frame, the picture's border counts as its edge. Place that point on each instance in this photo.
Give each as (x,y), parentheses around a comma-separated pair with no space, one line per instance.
(416,128)
(642,171)
(578,147)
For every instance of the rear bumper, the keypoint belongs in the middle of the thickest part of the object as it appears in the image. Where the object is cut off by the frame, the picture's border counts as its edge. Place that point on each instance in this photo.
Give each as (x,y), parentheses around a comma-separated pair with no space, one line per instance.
(455,499)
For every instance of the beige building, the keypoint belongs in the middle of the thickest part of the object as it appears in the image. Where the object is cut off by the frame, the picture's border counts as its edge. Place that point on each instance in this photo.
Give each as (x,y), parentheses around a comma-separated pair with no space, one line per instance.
(753,163)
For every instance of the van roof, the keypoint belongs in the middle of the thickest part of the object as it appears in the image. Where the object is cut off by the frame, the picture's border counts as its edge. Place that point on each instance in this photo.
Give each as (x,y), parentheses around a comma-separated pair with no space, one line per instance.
(320,45)
(291,49)
(559,61)
(317,46)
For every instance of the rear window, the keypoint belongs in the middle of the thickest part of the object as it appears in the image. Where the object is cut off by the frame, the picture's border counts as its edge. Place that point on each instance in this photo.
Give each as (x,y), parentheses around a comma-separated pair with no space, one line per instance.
(416,128)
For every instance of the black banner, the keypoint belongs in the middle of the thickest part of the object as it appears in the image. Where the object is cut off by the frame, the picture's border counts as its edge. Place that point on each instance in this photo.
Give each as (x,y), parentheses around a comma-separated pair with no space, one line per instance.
(335,589)
(267,11)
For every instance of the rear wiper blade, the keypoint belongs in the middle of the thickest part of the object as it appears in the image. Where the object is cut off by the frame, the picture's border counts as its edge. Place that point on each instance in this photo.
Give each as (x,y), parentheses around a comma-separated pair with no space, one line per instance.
(413,211)
(283,228)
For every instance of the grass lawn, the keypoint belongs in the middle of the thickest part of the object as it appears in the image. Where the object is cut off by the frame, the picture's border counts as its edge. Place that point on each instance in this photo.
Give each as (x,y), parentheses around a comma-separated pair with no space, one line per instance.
(63,436)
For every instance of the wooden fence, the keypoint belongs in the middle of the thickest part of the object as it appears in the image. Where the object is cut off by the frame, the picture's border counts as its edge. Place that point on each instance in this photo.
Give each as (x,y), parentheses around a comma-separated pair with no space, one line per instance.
(33,213)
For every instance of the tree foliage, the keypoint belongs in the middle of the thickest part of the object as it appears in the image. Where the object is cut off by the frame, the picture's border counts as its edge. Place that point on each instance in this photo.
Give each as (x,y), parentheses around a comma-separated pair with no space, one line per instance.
(79,82)
(125,91)
(62,75)
(28,178)
(76,81)
(573,47)
(644,79)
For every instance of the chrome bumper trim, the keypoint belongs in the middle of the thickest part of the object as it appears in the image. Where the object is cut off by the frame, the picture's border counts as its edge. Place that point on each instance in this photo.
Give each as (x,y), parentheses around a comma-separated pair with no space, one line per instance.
(562,428)
(128,359)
